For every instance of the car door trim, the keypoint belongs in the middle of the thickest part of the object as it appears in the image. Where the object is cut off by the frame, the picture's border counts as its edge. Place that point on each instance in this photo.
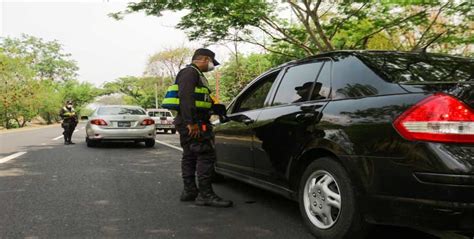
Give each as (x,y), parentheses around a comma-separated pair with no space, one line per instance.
(257,182)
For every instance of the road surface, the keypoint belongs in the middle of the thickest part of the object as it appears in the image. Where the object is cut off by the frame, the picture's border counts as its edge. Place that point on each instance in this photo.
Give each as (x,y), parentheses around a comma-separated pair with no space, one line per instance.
(124,190)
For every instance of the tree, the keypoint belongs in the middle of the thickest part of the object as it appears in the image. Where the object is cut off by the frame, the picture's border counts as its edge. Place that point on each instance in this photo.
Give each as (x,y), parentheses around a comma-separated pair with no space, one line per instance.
(36,78)
(17,89)
(234,79)
(46,58)
(314,26)
(80,93)
(168,62)
(139,90)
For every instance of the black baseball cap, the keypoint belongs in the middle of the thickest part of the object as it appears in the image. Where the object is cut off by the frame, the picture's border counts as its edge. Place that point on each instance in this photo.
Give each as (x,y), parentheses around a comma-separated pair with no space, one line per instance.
(206,52)
(305,86)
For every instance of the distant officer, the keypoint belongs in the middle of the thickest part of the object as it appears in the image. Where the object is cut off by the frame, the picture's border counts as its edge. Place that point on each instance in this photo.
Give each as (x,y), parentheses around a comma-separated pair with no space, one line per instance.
(69,117)
(195,130)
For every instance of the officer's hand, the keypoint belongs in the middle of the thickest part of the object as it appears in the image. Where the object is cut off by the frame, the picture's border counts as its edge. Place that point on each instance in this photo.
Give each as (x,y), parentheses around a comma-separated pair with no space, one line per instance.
(193,130)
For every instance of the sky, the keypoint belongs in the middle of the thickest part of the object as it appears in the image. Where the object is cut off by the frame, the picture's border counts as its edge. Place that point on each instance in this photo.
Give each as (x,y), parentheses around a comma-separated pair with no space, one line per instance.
(105,49)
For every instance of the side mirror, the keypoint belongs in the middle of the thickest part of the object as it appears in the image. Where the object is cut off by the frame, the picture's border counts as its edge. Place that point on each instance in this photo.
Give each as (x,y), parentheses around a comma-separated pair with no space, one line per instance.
(84,118)
(219,109)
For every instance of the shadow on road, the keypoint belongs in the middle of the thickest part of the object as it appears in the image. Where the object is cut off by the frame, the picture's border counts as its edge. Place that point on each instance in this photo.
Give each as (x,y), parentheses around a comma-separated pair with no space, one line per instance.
(254,195)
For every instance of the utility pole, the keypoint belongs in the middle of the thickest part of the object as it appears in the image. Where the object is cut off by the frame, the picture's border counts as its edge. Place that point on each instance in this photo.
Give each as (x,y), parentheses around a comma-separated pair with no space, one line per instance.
(156,95)
(217,75)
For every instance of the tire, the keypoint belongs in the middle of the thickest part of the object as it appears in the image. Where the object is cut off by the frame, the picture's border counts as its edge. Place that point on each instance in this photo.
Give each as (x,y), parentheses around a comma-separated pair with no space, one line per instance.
(320,202)
(150,143)
(166,131)
(91,143)
(173,131)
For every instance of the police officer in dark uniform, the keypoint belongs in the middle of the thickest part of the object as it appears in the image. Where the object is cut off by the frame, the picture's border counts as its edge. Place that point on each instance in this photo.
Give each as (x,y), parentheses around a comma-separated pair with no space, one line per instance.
(69,117)
(195,130)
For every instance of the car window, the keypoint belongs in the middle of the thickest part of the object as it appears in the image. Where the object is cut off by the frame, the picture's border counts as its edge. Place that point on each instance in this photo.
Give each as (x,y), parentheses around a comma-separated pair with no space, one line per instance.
(254,97)
(297,83)
(416,68)
(322,87)
(120,111)
(352,78)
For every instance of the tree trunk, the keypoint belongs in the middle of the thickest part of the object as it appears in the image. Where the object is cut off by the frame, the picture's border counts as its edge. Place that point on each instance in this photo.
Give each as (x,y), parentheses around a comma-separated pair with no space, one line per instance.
(18,122)
(48,118)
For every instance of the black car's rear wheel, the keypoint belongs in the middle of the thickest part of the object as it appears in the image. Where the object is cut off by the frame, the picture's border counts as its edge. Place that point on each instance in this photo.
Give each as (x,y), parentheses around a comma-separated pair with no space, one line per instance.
(91,143)
(149,143)
(327,201)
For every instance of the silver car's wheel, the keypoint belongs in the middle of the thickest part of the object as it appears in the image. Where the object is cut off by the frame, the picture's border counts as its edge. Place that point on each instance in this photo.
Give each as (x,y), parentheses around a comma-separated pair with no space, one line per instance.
(322,199)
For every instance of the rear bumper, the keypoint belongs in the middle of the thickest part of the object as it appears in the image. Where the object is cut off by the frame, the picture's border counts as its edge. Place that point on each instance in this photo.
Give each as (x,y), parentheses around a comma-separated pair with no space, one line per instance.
(97,133)
(440,215)
(432,186)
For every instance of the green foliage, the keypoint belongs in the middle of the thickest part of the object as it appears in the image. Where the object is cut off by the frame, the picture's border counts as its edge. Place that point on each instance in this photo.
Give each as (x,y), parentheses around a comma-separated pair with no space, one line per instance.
(36,77)
(168,62)
(80,93)
(238,72)
(317,26)
(46,58)
(17,89)
(139,90)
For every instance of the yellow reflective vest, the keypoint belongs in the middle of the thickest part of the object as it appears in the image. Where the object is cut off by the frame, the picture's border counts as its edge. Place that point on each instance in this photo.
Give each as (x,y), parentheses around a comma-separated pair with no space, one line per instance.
(202,96)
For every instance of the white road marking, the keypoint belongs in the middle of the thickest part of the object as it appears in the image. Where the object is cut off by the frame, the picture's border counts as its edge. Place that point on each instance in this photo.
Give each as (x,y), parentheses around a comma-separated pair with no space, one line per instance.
(169,145)
(59,137)
(8,158)
(83,127)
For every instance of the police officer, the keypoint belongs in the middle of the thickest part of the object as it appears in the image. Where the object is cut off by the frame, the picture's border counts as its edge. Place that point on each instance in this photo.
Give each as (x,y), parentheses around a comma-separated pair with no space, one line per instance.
(69,117)
(195,130)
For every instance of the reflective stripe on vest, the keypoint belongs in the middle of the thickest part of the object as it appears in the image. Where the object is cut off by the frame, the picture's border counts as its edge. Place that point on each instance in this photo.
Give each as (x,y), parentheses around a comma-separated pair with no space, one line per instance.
(201,97)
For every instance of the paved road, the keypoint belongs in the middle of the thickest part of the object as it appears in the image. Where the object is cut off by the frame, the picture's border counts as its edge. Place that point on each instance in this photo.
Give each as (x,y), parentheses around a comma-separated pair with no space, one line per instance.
(123,190)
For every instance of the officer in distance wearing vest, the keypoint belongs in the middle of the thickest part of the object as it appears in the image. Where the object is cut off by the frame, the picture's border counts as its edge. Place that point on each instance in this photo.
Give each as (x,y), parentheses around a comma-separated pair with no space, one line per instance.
(69,123)
(190,96)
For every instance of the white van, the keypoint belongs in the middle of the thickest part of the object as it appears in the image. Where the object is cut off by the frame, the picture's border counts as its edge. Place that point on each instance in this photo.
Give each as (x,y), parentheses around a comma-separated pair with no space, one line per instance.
(163,119)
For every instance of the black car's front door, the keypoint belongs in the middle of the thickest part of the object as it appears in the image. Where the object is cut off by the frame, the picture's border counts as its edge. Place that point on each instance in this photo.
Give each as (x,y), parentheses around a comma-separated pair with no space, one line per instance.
(234,138)
(283,129)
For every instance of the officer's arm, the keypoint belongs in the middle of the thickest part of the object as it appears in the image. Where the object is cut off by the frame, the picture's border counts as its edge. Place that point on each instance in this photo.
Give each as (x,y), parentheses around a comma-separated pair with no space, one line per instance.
(61,113)
(187,80)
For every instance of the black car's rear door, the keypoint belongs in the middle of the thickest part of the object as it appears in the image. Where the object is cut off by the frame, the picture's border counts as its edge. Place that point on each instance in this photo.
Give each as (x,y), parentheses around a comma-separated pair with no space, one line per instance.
(234,138)
(283,129)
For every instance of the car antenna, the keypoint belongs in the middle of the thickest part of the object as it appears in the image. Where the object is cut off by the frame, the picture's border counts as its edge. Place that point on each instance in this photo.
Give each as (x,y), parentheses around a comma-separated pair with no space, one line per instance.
(423,49)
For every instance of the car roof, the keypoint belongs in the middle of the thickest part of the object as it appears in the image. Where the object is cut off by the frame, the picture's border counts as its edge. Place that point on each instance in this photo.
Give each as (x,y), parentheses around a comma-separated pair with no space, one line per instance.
(113,106)
(336,54)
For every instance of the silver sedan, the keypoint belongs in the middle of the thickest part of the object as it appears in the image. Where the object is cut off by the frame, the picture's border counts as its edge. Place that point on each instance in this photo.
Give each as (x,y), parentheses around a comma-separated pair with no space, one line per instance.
(120,122)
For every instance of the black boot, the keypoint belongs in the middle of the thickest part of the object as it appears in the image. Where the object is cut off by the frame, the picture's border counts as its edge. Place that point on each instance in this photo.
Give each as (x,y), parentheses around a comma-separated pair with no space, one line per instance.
(207,197)
(190,190)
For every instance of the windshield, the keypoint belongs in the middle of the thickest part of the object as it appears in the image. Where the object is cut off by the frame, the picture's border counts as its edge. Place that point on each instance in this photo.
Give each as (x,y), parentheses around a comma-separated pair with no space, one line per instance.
(120,111)
(408,68)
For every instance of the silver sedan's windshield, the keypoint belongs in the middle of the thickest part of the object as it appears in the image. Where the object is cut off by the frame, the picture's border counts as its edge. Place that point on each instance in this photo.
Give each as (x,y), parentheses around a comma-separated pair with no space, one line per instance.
(120,111)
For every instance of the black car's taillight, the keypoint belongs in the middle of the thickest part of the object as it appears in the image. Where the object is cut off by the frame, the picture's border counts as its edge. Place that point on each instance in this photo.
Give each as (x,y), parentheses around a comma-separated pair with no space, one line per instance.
(99,122)
(148,122)
(438,118)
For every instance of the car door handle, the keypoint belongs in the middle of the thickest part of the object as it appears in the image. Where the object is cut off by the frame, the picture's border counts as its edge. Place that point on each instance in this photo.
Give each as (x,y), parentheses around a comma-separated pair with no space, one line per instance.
(247,121)
(305,116)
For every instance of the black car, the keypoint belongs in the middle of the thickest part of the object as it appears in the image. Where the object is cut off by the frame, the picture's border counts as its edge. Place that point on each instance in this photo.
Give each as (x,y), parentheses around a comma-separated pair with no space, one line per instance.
(358,138)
